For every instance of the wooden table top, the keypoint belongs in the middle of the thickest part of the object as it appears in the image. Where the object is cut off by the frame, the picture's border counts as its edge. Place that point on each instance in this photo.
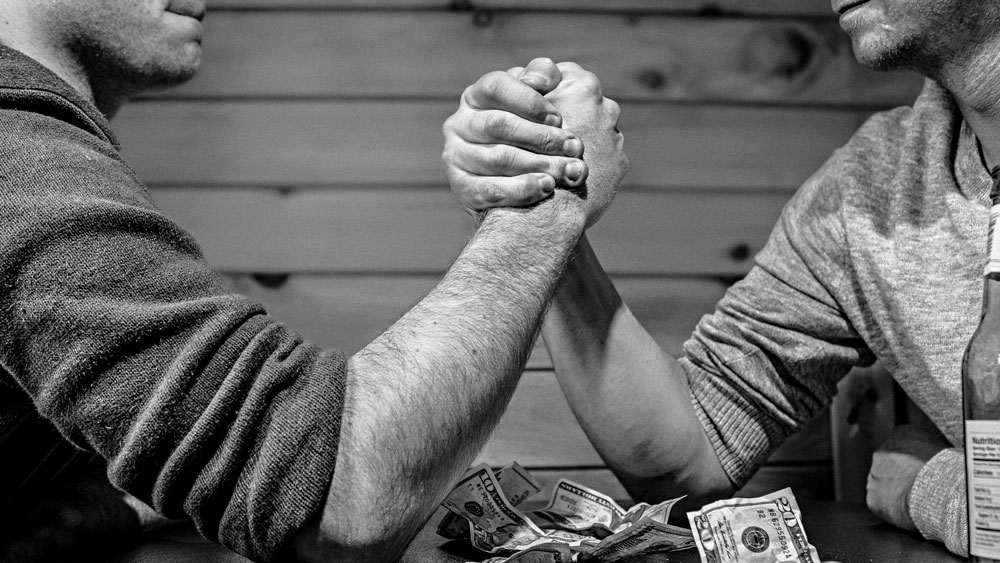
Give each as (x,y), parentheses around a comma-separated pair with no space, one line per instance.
(847,533)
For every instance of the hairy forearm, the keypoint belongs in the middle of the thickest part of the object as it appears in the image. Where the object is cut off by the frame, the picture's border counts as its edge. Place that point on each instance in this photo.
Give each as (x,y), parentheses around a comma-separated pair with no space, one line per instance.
(630,397)
(423,397)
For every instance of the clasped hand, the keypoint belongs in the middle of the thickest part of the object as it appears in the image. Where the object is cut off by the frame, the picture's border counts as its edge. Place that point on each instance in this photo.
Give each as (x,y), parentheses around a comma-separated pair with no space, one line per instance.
(520,134)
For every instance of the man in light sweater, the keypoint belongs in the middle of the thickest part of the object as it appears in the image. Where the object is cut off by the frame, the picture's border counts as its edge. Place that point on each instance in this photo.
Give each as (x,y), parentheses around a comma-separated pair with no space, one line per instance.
(117,339)
(879,255)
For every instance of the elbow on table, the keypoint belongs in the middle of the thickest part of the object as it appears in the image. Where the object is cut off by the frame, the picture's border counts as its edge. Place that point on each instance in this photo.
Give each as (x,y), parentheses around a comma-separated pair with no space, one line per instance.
(697,483)
(653,490)
(347,538)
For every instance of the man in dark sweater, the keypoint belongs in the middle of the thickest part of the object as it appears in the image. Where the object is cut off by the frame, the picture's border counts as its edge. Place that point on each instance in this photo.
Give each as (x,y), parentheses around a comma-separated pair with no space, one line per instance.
(117,338)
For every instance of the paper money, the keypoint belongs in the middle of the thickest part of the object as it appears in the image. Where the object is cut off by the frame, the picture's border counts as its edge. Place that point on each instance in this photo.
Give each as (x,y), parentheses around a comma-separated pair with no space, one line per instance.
(517,485)
(576,508)
(754,530)
(656,512)
(506,539)
(579,520)
(544,553)
(496,524)
(644,536)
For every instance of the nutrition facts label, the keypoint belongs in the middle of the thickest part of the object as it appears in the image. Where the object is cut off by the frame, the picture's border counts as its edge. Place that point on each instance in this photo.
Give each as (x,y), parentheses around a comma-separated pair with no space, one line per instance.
(982,467)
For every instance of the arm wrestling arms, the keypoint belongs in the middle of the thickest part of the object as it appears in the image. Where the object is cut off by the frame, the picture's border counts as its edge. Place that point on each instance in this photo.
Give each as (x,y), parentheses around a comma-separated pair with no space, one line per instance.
(615,376)
(422,398)
(752,374)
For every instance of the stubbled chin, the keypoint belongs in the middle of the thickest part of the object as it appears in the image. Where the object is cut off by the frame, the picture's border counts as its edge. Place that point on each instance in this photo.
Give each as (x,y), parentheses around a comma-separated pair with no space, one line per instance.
(879,52)
(178,70)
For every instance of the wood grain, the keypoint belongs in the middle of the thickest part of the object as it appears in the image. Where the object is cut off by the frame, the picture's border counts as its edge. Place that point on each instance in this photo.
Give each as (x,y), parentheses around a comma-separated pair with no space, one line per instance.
(703,232)
(539,430)
(399,143)
(709,7)
(437,54)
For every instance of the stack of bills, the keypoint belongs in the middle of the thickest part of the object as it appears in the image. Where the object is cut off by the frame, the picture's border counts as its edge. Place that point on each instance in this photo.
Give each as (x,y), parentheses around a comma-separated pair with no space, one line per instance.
(577,524)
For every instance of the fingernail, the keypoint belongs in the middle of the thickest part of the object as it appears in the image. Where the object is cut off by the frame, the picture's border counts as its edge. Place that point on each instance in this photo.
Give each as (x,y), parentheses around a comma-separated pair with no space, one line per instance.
(574,171)
(532,77)
(553,119)
(546,183)
(572,147)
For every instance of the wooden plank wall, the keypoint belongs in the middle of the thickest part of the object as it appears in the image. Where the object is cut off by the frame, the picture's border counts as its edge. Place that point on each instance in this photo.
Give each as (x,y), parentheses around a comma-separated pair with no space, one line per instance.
(305,158)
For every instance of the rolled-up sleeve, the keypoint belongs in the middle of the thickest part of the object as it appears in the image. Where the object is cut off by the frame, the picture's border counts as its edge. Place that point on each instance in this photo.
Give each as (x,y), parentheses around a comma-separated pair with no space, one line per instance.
(768,359)
(124,339)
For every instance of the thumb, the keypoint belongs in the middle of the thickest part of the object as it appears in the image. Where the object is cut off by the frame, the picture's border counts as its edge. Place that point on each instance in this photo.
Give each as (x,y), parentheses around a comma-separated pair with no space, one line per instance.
(541,74)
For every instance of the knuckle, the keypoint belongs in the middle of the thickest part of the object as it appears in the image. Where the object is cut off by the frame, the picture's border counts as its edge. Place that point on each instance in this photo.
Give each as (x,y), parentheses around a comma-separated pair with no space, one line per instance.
(485,195)
(450,124)
(468,95)
(520,192)
(591,84)
(614,109)
(448,155)
(452,152)
(495,125)
(496,193)
(492,84)
(549,142)
(569,67)
(460,189)
(501,157)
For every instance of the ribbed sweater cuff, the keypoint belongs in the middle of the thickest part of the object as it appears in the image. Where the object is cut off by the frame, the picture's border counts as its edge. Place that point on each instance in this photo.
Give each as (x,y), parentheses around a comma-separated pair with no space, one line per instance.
(740,434)
(937,501)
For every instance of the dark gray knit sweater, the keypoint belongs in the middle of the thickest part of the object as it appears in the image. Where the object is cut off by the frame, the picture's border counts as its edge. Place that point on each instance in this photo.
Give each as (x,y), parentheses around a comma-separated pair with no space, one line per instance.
(116,337)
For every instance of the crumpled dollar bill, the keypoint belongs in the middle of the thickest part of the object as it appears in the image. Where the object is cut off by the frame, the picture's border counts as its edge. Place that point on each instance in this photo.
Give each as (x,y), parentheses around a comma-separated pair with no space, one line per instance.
(577,524)
(766,529)
(517,485)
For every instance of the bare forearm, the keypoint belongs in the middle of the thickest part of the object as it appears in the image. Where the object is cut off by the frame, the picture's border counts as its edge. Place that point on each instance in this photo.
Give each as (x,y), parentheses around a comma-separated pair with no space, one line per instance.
(423,397)
(620,383)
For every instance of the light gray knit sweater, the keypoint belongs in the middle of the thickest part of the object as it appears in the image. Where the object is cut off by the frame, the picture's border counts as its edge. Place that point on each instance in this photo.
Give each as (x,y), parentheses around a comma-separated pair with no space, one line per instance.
(879,255)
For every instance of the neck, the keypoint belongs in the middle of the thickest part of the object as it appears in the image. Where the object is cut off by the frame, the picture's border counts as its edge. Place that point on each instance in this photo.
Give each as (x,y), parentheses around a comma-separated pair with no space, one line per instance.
(19,33)
(975,84)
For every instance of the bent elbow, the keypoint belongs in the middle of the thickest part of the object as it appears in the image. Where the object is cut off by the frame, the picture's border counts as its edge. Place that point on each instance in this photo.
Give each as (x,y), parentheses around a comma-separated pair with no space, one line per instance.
(695,492)
(344,538)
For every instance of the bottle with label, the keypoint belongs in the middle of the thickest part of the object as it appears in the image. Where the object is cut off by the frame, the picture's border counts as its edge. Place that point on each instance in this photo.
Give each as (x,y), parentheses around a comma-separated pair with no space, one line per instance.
(981,403)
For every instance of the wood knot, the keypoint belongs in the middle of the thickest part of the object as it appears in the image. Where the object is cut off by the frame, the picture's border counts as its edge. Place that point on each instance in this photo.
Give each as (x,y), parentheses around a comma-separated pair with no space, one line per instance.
(271,280)
(740,252)
(778,52)
(482,18)
(652,78)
